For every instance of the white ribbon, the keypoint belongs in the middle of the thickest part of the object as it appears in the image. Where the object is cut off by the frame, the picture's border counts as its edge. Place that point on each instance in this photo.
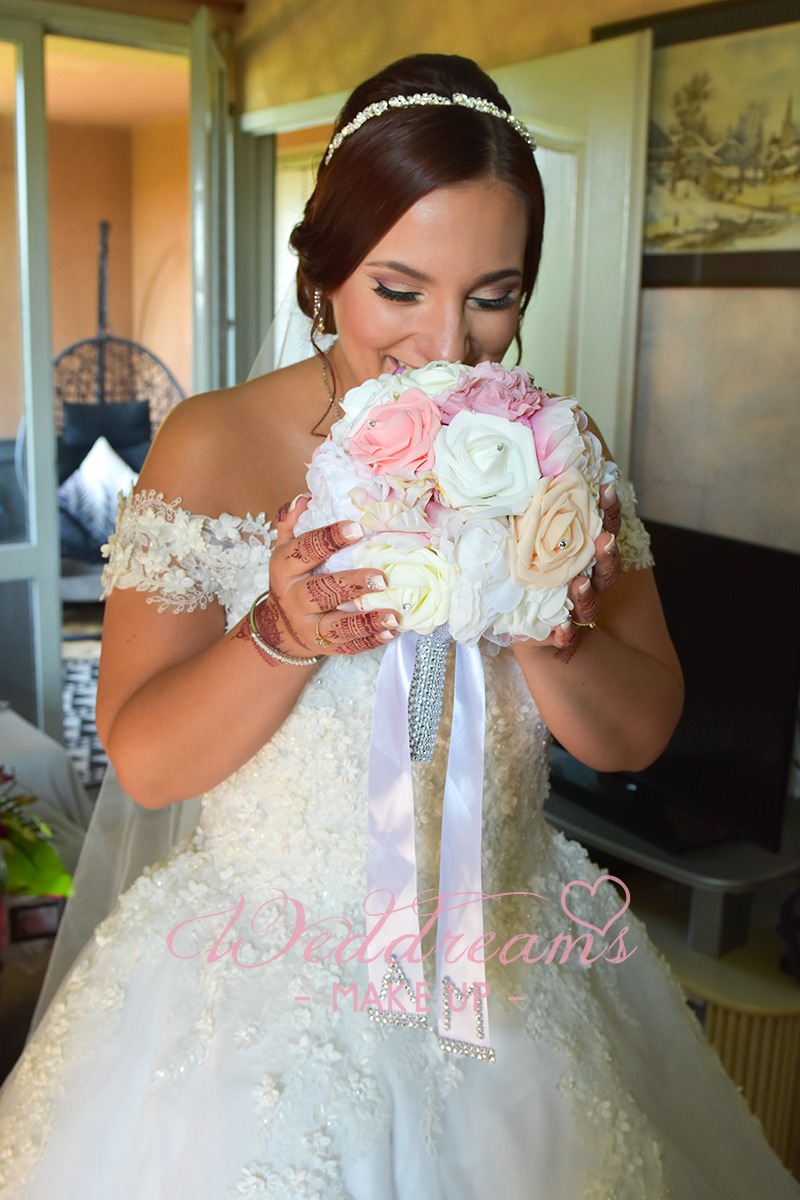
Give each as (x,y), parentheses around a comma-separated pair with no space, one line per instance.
(398,989)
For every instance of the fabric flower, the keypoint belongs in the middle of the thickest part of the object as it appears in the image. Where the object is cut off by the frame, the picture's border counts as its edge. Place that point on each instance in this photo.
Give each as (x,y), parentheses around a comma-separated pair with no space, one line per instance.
(418,578)
(554,537)
(433,378)
(490,388)
(539,612)
(481,585)
(557,428)
(391,515)
(486,465)
(397,439)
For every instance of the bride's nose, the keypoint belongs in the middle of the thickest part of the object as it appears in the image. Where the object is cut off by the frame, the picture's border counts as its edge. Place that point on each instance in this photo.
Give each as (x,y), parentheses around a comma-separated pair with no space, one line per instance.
(447,338)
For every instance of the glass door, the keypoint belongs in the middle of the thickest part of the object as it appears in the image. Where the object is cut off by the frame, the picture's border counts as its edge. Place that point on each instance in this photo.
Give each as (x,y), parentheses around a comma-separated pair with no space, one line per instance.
(30,615)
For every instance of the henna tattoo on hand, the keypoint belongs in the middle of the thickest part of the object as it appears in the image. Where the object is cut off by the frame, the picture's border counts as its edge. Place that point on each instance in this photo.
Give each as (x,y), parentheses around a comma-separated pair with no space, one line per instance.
(324,592)
(565,653)
(318,544)
(608,570)
(361,644)
(246,634)
(283,512)
(612,516)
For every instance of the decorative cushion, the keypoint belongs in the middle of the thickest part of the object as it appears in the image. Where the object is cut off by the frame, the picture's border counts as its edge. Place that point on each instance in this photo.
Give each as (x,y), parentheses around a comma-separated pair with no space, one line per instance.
(90,494)
(125,426)
(76,541)
(134,456)
(122,424)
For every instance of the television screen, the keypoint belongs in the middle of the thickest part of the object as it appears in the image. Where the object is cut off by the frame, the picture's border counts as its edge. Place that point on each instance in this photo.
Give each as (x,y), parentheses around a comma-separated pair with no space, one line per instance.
(733,609)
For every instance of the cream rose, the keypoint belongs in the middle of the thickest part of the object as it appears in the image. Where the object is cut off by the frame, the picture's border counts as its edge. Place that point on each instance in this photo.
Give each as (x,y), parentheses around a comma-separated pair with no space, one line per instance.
(554,537)
(419,580)
(486,465)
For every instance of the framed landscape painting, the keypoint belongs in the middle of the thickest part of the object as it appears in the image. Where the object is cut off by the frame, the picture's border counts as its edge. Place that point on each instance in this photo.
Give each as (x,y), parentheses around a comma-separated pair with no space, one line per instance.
(723,186)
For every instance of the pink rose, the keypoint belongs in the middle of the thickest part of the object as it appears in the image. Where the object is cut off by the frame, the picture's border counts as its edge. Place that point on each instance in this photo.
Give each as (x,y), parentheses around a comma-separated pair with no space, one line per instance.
(554,538)
(557,428)
(489,388)
(397,438)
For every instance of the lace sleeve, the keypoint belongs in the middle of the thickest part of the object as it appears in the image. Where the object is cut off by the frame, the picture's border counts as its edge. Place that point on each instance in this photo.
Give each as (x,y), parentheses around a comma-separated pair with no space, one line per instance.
(633,539)
(187,561)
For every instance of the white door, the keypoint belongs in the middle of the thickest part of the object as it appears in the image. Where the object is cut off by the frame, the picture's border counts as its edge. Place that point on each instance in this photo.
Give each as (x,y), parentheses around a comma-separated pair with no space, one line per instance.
(588,110)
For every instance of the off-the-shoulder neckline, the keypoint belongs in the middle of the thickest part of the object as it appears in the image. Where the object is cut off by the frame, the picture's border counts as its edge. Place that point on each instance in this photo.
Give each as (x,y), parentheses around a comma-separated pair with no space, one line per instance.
(142,499)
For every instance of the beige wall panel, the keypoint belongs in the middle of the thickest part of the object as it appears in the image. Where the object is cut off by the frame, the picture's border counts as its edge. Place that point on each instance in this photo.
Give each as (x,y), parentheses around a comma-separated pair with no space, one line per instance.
(161,249)
(292,49)
(90,182)
(717,420)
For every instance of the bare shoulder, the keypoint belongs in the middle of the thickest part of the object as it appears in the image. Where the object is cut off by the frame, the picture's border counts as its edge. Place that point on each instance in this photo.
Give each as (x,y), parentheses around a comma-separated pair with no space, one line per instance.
(231,450)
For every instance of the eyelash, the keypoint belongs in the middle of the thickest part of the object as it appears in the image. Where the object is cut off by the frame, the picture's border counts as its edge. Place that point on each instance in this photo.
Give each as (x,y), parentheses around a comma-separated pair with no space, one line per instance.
(483,303)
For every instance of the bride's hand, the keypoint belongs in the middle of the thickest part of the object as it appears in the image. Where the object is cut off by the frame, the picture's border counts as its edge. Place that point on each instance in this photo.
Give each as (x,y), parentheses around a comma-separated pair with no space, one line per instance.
(302,614)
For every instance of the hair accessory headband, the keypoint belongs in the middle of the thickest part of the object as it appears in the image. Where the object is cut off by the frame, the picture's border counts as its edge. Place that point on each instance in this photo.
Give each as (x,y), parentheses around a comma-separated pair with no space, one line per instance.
(426,100)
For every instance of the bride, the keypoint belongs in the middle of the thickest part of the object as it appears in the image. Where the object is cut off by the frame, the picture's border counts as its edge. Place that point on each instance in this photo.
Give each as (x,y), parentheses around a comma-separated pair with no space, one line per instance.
(201,1047)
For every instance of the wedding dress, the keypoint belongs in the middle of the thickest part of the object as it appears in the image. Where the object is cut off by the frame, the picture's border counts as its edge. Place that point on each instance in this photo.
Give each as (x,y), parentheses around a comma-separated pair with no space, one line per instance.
(208,1044)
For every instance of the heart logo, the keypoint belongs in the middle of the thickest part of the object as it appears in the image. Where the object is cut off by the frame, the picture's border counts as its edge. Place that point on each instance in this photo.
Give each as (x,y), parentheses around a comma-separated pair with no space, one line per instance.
(592,889)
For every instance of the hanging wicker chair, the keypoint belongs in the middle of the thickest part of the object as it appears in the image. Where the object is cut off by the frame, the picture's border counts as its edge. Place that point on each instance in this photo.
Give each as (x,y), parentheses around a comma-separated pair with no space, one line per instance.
(107,370)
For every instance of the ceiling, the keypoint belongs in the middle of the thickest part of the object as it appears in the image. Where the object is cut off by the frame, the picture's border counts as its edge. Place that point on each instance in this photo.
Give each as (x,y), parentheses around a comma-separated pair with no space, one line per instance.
(97,83)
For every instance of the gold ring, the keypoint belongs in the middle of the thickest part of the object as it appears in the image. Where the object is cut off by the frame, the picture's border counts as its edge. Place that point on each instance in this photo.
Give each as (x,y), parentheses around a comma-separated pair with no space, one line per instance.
(585,624)
(321,641)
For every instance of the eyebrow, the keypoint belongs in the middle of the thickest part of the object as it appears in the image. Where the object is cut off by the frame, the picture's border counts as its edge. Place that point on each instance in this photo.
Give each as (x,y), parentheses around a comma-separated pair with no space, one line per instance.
(413,273)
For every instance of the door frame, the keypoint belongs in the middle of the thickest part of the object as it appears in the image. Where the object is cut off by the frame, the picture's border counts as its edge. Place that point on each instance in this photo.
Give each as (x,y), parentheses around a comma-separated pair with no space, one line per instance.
(26,23)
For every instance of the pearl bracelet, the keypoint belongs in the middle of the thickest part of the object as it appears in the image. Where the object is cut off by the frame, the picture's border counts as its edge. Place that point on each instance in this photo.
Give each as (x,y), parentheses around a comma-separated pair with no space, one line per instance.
(278,655)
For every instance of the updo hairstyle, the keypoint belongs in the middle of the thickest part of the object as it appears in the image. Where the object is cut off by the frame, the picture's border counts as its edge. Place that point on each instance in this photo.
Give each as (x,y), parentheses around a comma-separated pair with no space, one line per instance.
(382,169)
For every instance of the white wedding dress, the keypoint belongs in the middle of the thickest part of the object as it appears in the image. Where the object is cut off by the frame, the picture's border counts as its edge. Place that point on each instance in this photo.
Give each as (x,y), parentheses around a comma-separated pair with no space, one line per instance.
(171,1066)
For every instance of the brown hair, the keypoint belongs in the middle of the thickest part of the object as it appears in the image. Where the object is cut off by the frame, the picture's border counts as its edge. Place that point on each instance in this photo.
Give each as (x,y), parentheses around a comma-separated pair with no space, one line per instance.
(383,168)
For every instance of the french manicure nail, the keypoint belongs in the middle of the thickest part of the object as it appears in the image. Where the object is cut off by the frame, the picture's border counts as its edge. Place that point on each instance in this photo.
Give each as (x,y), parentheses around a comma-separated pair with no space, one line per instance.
(585,587)
(376,583)
(352,531)
(300,496)
(386,636)
(390,621)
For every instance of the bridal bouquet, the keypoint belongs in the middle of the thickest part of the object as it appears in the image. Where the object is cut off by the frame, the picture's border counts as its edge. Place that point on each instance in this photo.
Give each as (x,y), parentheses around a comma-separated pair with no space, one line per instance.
(479,493)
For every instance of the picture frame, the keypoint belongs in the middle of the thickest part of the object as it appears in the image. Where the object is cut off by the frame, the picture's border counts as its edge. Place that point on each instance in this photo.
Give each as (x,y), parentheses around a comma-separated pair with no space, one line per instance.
(723,204)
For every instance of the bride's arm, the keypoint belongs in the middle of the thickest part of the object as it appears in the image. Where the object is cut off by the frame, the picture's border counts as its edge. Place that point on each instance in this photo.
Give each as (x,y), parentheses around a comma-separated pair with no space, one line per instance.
(613,697)
(181,703)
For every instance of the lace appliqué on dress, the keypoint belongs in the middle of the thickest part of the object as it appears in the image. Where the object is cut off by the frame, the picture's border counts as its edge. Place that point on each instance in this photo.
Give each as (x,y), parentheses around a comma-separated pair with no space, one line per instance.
(633,540)
(185,560)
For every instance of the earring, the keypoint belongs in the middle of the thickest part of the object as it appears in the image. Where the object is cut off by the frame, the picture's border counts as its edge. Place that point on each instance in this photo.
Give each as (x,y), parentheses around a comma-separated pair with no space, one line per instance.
(317,319)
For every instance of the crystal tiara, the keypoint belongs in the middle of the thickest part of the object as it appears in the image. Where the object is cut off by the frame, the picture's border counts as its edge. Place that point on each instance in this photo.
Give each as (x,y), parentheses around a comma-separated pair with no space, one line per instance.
(426,100)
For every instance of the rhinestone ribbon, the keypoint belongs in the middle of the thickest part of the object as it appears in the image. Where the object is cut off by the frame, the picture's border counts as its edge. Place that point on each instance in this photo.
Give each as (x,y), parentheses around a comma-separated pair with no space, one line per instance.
(393,905)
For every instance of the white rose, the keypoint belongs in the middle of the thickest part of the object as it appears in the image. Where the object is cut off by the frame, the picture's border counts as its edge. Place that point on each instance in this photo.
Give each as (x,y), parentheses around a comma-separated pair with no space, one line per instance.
(540,611)
(486,464)
(419,580)
(482,586)
(374,391)
(434,378)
